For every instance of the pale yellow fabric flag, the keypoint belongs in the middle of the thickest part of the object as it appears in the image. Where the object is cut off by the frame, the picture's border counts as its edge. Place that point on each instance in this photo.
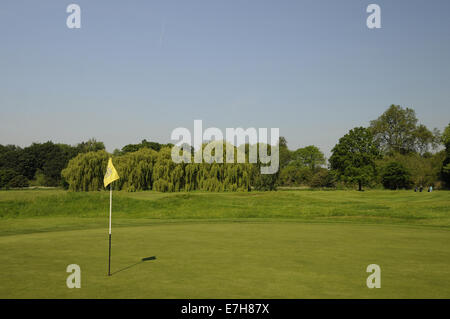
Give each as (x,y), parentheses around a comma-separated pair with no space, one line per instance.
(111,174)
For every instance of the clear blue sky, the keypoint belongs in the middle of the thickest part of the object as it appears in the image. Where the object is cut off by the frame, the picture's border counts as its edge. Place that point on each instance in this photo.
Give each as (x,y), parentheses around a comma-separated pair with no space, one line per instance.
(139,69)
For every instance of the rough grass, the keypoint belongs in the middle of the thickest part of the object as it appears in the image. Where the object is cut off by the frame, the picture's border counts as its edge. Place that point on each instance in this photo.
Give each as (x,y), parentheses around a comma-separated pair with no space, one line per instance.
(392,207)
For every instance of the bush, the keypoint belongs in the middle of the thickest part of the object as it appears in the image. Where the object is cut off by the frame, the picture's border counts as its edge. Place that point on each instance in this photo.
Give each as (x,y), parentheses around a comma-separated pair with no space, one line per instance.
(445,171)
(422,170)
(395,175)
(292,175)
(39,179)
(19,181)
(6,175)
(323,178)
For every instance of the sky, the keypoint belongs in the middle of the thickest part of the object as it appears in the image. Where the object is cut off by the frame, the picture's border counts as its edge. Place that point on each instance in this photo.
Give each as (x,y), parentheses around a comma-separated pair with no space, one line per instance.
(139,69)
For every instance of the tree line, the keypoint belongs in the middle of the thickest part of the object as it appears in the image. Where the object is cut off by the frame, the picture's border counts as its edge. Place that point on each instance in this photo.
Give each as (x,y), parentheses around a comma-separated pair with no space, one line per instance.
(41,164)
(395,151)
(147,169)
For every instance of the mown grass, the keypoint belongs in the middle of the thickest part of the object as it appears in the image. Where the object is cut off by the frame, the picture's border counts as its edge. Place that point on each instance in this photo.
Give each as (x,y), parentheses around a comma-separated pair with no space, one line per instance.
(284,244)
(230,260)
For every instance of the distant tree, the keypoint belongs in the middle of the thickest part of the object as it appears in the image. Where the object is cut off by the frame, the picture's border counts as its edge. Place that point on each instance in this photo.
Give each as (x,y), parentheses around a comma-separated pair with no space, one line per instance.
(445,171)
(92,145)
(323,178)
(144,144)
(353,158)
(395,176)
(116,152)
(423,170)
(292,175)
(47,158)
(265,182)
(425,139)
(136,170)
(10,159)
(268,182)
(445,138)
(40,179)
(396,130)
(129,148)
(284,152)
(85,172)
(18,181)
(6,175)
(309,156)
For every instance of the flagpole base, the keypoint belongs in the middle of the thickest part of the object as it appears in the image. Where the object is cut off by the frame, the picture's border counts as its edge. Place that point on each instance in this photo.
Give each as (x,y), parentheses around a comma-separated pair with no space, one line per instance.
(109,262)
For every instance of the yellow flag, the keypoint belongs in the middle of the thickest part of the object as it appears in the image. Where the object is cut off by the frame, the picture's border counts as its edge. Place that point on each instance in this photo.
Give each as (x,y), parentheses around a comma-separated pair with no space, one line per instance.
(111,174)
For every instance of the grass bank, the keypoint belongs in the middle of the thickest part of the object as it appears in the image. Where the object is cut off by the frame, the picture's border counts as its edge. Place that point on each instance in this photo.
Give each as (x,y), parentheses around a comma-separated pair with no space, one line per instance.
(44,210)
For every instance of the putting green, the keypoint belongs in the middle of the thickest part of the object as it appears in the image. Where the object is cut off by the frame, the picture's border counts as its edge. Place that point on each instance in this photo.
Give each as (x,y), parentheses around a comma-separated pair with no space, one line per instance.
(230,260)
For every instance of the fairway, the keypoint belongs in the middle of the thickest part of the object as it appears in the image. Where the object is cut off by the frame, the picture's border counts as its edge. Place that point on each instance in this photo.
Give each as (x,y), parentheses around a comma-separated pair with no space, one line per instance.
(302,250)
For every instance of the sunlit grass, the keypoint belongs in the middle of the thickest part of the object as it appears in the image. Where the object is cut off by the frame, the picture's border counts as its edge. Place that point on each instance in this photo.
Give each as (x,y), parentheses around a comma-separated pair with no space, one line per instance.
(284,244)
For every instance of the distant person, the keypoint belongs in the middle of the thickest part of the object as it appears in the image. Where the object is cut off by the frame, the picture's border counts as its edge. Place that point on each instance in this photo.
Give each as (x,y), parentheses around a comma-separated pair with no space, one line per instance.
(415,189)
(431,189)
(421,188)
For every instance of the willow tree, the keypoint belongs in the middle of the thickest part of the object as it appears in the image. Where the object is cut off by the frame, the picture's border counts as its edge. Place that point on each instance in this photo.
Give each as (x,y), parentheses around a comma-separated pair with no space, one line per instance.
(168,176)
(219,170)
(148,169)
(136,170)
(85,172)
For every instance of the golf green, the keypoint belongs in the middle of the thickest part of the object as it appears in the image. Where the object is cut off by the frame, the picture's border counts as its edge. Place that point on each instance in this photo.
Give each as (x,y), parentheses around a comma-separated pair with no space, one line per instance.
(267,259)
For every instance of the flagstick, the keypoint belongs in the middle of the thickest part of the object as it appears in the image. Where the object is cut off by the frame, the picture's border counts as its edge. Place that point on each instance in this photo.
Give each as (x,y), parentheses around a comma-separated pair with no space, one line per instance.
(110,208)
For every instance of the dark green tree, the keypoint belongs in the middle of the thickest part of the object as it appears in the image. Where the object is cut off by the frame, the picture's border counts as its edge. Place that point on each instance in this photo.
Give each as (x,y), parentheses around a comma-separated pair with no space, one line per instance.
(92,145)
(395,176)
(445,171)
(18,181)
(268,182)
(144,144)
(396,130)
(293,175)
(323,178)
(309,156)
(353,158)
(6,175)
(284,153)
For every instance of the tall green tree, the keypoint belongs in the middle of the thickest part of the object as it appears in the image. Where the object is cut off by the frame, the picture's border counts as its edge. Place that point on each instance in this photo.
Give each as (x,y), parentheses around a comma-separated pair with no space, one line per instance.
(292,175)
(353,157)
(423,170)
(85,172)
(43,160)
(397,130)
(323,178)
(395,176)
(91,145)
(144,144)
(445,171)
(285,154)
(309,156)
(136,170)
(268,182)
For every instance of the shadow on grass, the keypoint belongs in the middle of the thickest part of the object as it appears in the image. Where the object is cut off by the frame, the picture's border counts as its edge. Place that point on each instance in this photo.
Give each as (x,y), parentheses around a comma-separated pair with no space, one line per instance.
(135,264)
